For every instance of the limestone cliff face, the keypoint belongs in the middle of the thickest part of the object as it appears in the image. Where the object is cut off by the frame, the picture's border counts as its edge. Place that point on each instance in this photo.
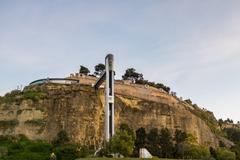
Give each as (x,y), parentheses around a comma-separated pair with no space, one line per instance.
(79,110)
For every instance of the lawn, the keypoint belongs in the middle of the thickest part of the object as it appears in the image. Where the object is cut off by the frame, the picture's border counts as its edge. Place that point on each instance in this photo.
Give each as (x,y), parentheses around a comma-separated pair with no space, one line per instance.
(123,159)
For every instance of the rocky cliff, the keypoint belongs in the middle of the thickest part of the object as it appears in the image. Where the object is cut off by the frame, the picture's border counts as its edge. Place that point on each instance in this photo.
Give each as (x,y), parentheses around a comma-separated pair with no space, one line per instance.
(41,111)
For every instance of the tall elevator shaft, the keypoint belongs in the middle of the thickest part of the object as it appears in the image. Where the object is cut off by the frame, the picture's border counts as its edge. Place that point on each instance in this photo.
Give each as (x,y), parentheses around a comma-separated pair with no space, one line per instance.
(109,98)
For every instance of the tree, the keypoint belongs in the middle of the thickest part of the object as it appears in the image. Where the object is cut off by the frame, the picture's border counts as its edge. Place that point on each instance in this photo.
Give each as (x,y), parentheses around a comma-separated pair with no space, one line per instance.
(229,120)
(180,136)
(99,69)
(166,143)
(122,143)
(70,152)
(140,138)
(188,101)
(84,70)
(233,134)
(162,86)
(125,127)
(220,122)
(193,151)
(153,142)
(131,74)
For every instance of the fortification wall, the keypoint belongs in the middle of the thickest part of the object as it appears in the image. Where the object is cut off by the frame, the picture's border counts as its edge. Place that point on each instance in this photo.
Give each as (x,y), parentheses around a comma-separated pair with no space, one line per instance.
(126,88)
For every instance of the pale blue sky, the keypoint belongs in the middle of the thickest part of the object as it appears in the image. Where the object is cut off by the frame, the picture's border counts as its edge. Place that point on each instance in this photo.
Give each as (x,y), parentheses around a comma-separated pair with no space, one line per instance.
(193,46)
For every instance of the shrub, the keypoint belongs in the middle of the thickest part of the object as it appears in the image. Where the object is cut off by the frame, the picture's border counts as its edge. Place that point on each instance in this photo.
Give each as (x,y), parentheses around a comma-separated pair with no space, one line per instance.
(33,95)
(12,96)
(236,149)
(1,99)
(28,156)
(37,122)
(224,154)
(21,148)
(8,123)
(193,151)
(15,148)
(70,152)
(122,143)
(5,140)
(40,146)
(62,138)
(3,151)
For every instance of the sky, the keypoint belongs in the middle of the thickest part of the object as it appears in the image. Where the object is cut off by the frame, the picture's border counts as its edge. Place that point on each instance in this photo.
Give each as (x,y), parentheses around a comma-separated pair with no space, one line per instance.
(193,46)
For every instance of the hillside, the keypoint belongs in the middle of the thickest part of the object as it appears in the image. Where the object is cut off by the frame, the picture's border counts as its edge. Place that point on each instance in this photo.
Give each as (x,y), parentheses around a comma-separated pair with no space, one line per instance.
(41,111)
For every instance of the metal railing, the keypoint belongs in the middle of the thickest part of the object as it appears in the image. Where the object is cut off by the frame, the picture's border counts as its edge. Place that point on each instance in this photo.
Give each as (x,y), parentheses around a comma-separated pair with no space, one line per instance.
(55,80)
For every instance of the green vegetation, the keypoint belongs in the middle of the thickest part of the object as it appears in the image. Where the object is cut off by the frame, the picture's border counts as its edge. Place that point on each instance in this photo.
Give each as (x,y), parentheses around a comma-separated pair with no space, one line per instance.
(70,152)
(16,96)
(192,151)
(217,127)
(234,135)
(67,151)
(236,150)
(61,138)
(166,143)
(21,148)
(107,158)
(140,140)
(84,70)
(34,95)
(8,123)
(123,141)
(99,68)
(13,96)
(36,122)
(1,99)
(206,116)
(159,143)
(19,112)
(131,74)
(224,154)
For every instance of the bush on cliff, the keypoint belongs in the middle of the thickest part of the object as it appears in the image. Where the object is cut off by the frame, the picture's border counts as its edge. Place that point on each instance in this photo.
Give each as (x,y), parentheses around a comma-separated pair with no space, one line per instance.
(12,96)
(236,149)
(61,138)
(224,154)
(33,95)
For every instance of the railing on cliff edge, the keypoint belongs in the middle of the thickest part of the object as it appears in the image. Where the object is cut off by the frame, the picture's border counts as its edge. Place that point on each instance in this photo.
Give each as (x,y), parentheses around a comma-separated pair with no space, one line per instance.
(55,80)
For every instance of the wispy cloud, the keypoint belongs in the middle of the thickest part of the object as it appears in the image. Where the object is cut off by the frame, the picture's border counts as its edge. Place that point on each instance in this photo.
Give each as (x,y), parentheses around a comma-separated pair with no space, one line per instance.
(186,45)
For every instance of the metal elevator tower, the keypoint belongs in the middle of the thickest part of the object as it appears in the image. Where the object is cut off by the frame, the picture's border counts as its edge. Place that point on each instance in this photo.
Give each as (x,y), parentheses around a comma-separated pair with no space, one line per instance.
(108,77)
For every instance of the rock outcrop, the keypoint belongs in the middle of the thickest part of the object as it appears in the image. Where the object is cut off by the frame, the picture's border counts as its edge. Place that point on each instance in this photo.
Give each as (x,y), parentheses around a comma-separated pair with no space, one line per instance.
(41,111)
